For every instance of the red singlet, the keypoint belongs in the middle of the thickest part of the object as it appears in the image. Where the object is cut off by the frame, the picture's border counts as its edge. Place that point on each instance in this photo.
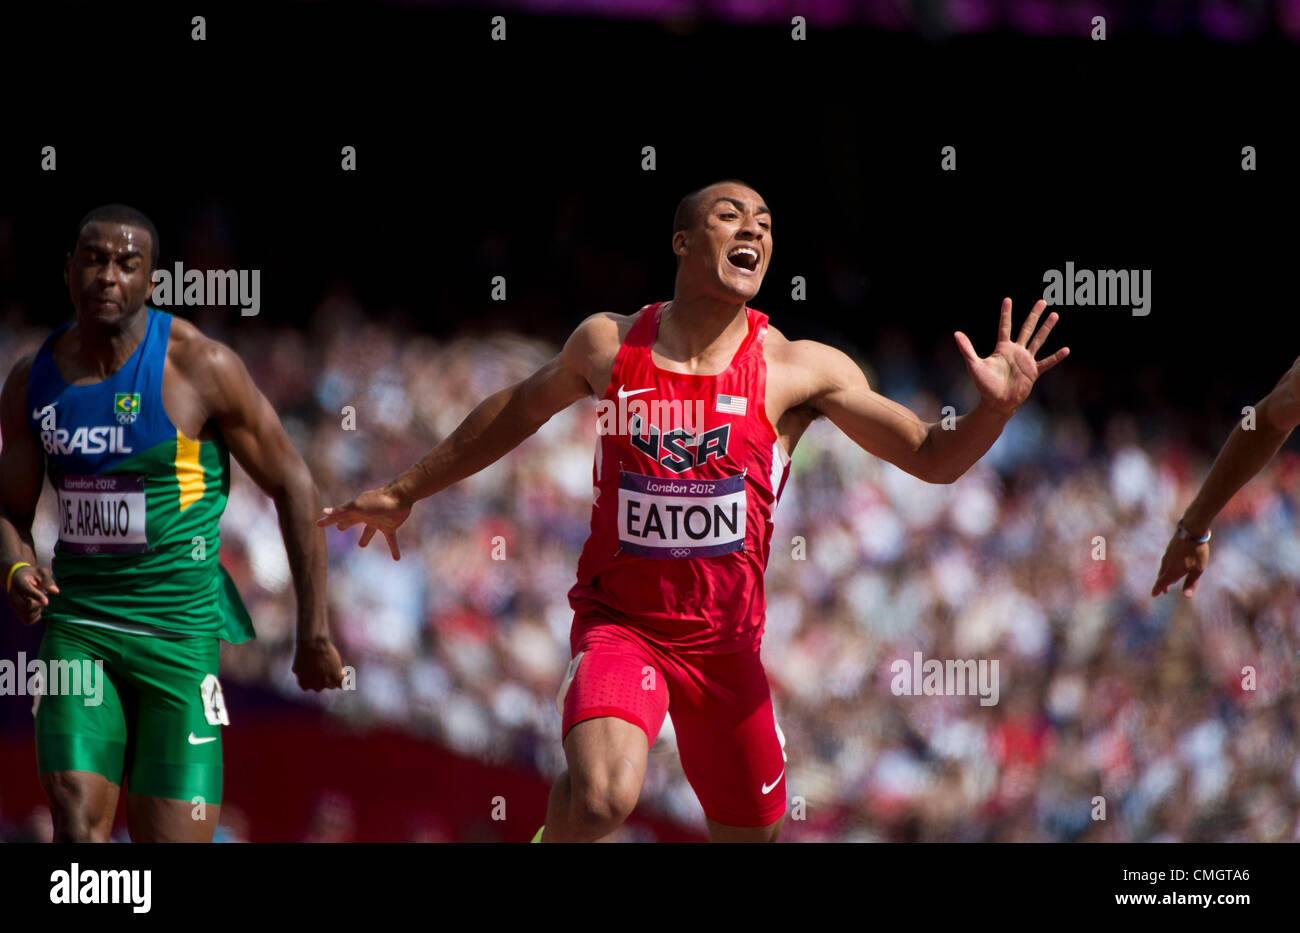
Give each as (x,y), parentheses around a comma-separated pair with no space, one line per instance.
(687,472)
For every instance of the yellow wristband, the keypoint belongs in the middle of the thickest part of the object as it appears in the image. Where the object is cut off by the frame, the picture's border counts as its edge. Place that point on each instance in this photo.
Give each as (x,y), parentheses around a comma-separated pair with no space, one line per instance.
(12,570)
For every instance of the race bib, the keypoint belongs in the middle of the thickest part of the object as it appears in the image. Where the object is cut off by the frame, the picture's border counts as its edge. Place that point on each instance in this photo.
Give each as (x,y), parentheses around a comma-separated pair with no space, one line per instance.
(102,515)
(662,517)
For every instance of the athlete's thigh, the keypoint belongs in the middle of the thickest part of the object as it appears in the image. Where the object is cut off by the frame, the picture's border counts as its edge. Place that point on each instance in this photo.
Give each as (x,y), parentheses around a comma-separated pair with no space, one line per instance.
(613,702)
(82,805)
(599,750)
(157,819)
(176,748)
(728,740)
(81,728)
(721,833)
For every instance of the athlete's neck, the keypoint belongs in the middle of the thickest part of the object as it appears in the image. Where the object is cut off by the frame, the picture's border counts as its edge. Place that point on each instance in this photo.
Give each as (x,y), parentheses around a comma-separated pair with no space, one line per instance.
(690,328)
(100,348)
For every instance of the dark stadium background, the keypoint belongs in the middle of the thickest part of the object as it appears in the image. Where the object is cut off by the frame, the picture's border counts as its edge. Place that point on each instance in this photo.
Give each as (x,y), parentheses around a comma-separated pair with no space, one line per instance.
(523,159)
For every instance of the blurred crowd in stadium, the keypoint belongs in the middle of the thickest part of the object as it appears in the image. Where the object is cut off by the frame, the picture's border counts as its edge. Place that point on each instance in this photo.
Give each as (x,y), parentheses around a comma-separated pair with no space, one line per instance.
(1042,557)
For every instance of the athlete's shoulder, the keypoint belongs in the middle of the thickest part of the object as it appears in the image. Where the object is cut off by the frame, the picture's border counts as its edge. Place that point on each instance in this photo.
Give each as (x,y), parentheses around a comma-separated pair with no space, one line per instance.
(599,336)
(1289,384)
(1281,407)
(184,335)
(592,348)
(604,328)
(21,372)
(15,384)
(213,369)
(800,353)
(22,367)
(807,369)
(194,350)
(774,339)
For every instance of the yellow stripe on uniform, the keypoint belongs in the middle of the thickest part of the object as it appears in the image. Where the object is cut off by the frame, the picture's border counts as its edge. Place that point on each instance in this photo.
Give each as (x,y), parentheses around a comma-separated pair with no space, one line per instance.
(189,471)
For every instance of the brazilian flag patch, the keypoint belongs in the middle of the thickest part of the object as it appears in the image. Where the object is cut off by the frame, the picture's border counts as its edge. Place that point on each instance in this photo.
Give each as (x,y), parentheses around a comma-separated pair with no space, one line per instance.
(126,405)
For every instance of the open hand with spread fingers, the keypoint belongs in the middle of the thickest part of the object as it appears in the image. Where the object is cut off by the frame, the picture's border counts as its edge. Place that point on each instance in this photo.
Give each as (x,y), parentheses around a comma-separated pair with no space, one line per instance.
(1006,375)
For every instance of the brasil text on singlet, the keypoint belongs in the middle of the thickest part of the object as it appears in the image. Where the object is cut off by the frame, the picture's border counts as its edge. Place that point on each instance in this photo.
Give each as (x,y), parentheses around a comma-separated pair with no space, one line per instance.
(139,503)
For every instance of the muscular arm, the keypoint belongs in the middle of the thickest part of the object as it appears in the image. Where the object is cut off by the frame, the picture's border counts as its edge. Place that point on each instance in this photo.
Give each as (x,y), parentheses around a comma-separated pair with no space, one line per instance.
(21,463)
(503,420)
(1246,452)
(496,426)
(258,441)
(837,388)
(889,430)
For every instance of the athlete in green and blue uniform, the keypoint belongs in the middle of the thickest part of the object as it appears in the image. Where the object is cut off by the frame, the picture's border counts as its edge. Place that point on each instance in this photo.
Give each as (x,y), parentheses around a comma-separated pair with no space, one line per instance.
(134,415)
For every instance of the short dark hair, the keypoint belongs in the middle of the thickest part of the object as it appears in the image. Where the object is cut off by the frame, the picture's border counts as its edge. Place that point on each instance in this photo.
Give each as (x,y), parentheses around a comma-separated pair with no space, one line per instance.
(123,214)
(688,208)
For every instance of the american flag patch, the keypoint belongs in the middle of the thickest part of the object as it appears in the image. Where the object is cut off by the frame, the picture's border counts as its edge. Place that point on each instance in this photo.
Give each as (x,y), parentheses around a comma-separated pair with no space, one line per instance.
(731,404)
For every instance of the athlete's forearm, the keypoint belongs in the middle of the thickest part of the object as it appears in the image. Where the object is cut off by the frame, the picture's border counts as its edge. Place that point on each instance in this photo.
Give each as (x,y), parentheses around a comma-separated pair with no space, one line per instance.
(22,472)
(495,427)
(15,544)
(298,503)
(1243,455)
(947,453)
(13,547)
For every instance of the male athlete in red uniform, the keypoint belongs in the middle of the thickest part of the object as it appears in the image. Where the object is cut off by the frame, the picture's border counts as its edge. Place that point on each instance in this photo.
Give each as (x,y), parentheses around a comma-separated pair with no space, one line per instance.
(701,402)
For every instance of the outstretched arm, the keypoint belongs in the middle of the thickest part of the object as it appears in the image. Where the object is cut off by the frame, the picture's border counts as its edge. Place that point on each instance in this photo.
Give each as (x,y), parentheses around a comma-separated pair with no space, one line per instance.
(924,449)
(499,424)
(258,441)
(1242,457)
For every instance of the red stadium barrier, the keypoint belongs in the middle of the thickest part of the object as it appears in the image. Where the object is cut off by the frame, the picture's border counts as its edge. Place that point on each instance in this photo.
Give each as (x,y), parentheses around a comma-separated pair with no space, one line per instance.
(303,776)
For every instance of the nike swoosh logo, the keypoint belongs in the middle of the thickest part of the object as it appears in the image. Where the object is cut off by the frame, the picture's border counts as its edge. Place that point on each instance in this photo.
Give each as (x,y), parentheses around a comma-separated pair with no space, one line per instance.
(768,788)
(622,394)
(212,738)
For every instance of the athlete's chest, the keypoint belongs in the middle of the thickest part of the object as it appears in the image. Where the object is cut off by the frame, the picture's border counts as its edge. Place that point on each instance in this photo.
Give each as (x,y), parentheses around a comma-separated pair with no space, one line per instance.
(682,432)
(709,424)
(684,463)
(90,400)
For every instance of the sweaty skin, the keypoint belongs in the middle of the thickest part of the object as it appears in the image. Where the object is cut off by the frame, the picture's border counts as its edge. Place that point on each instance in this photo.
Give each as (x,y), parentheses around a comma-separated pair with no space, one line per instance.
(700,331)
(206,391)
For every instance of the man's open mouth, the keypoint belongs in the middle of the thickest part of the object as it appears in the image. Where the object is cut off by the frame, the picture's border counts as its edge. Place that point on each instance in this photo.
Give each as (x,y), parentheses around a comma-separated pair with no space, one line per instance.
(744,257)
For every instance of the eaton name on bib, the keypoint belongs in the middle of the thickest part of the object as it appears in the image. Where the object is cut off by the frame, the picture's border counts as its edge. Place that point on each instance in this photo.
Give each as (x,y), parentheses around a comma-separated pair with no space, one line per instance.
(102,514)
(674,518)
